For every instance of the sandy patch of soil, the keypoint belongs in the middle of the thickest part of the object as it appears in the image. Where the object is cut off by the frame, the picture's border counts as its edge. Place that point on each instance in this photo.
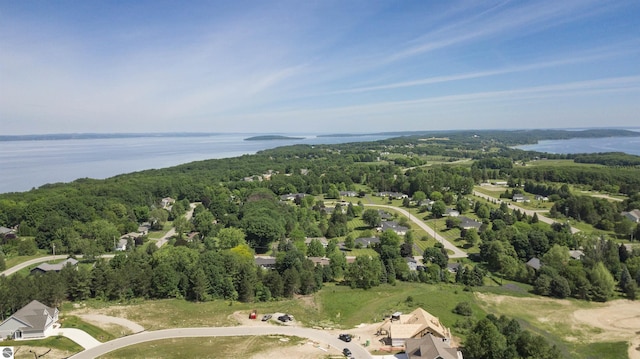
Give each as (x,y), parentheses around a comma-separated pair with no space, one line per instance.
(306,350)
(27,352)
(619,319)
(101,320)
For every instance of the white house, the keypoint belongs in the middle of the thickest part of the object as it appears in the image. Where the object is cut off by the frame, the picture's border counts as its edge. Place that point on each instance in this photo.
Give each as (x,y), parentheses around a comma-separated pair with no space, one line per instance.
(34,320)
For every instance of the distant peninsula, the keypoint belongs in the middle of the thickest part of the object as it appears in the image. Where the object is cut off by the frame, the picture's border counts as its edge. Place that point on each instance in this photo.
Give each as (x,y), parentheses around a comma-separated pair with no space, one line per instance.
(272,138)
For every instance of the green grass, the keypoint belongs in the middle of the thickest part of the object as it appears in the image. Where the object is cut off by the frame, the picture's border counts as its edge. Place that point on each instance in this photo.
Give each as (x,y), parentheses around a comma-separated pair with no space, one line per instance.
(347,307)
(220,347)
(57,342)
(14,261)
(98,333)
(601,350)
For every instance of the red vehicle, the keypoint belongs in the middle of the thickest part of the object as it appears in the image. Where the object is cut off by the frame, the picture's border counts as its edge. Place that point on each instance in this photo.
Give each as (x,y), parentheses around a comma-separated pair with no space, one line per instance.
(253,314)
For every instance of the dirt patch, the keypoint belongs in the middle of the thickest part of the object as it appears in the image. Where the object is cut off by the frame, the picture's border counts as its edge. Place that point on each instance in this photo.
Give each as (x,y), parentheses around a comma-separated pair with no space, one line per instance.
(306,350)
(619,320)
(124,326)
(27,352)
(598,322)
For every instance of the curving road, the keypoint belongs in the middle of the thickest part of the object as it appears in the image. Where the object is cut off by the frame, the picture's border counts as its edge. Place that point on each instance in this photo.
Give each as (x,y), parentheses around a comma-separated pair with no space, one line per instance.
(30,262)
(457,252)
(313,334)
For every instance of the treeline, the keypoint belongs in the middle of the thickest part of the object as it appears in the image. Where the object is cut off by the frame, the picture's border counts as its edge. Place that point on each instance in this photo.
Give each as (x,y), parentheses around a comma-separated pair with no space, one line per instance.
(622,180)
(494,337)
(608,159)
(194,272)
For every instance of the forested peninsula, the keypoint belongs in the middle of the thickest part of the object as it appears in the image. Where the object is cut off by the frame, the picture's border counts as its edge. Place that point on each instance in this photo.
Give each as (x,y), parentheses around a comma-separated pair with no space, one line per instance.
(367,218)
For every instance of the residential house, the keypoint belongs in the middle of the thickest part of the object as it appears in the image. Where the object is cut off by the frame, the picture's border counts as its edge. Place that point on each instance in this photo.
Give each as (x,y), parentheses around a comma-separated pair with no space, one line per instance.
(541,198)
(319,261)
(323,241)
(431,347)
(167,202)
(412,263)
(292,196)
(122,244)
(34,320)
(468,223)
(7,233)
(401,327)
(366,242)
(265,262)
(633,216)
(394,226)
(393,195)
(453,267)
(520,198)
(450,212)
(384,215)
(348,194)
(43,268)
(534,263)
(576,254)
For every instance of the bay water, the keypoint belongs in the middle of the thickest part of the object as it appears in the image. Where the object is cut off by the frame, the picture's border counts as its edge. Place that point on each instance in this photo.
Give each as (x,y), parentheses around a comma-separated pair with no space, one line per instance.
(32,163)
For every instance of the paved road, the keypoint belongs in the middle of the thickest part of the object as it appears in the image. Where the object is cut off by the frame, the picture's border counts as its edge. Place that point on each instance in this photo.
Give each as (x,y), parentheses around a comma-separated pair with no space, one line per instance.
(457,252)
(172,232)
(316,335)
(17,267)
(529,212)
(28,263)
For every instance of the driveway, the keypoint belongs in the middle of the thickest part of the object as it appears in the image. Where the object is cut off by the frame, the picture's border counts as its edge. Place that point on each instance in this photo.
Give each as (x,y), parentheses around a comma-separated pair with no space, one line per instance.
(457,252)
(79,336)
(313,334)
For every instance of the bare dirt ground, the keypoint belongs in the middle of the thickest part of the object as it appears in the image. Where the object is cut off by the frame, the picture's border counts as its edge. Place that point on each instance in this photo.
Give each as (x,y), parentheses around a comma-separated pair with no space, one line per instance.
(101,320)
(29,352)
(617,320)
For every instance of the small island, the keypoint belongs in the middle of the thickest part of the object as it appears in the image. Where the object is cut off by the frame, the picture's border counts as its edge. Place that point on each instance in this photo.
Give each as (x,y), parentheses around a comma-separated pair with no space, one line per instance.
(272,137)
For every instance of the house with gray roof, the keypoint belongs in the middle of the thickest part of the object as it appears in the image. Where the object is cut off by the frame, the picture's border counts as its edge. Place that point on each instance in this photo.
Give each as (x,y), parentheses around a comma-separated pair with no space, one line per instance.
(633,216)
(468,223)
(431,347)
(394,226)
(366,242)
(43,268)
(534,263)
(265,262)
(34,320)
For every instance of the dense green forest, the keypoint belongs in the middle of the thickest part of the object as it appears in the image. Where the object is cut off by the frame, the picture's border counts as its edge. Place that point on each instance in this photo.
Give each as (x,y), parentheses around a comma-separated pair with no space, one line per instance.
(240,212)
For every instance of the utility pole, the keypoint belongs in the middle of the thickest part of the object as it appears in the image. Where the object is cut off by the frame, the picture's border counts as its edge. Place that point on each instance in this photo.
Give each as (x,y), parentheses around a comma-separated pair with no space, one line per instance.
(54,248)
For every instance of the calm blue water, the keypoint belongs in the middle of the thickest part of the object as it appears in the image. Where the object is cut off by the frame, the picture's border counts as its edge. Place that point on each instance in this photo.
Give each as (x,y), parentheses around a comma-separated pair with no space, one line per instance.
(28,164)
(630,145)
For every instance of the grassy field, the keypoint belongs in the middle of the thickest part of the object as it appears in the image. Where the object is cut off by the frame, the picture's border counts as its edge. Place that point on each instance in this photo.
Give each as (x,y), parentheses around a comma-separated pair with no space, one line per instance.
(347,307)
(338,306)
(223,347)
(98,333)
(14,261)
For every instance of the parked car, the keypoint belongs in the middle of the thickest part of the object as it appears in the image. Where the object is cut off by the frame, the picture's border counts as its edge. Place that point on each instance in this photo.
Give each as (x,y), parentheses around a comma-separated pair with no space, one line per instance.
(346,352)
(285,318)
(253,314)
(266,317)
(345,337)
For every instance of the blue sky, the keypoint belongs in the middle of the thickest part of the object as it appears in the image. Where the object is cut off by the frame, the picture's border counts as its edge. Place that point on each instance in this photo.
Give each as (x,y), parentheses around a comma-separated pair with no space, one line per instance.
(317,66)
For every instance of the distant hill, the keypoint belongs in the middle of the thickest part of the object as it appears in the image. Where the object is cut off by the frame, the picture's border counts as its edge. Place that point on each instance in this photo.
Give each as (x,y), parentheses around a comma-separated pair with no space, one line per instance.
(272,138)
